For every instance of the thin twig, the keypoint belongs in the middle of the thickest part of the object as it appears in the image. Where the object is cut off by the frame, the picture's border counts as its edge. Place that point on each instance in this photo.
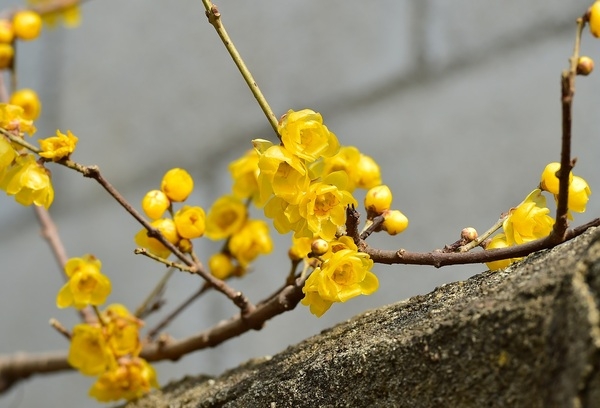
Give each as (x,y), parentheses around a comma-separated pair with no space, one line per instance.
(214,18)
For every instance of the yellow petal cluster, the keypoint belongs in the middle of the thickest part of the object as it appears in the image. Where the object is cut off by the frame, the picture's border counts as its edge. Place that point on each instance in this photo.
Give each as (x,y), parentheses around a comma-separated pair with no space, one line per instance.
(304,135)
(177,184)
(226,217)
(190,222)
(12,118)
(28,181)
(346,274)
(244,172)
(131,379)
(250,241)
(167,228)
(58,147)
(579,190)
(529,221)
(89,352)
(86,284)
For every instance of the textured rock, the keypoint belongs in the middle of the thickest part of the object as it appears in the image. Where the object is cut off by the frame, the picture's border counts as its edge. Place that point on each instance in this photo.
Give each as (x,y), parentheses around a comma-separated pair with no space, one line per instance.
(528,336)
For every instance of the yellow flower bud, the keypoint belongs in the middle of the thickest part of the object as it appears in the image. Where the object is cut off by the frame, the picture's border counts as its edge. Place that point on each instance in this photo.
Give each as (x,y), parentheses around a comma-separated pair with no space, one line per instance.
(469,234)
(549,180)
(319,247)
(498,241)
(368,171)
(6,55)
(29,101)
(6,31)
(167,227)
(221,266)
(58,147)
(394,222)
(378,199)
(190,222)
(27,25)
(155,203)
(585,66)
(594,19)
(177,184)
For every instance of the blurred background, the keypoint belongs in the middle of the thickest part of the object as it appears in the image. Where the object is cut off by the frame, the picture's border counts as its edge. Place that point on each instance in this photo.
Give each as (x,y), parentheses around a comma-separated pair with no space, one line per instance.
(459,102)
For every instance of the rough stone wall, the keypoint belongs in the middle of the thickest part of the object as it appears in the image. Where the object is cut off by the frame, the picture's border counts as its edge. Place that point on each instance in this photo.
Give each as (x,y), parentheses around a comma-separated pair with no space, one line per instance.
(528,336)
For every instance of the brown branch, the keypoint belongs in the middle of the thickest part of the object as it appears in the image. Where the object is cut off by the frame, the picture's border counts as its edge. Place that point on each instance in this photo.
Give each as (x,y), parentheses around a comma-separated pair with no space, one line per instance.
(439,258)
(20,366)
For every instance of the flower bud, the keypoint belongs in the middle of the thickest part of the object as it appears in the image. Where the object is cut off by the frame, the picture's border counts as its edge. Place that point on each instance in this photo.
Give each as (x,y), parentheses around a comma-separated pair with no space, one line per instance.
(6,55)
(394,222)
(469,234)
(378,199)
(319,247)
(6,32)
(27,25)
(155,203)
(177,184)
(221,266)
(29,101)
(585,66)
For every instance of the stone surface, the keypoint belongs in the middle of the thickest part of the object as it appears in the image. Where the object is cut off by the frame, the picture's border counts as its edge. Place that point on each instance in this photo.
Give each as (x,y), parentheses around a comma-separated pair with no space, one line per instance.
(528,336)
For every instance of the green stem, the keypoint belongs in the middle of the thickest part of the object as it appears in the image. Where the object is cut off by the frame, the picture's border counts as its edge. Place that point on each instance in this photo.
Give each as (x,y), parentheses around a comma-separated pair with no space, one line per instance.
(214,18)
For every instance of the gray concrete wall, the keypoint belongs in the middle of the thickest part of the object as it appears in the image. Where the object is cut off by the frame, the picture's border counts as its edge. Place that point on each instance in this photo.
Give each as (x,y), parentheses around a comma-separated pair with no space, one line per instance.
(458,101)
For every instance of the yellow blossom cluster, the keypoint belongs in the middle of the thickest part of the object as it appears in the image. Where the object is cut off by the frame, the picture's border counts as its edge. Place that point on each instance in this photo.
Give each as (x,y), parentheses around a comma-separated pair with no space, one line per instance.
(305,185)
(530,220)
(21,175)
(108,347)
(178,227)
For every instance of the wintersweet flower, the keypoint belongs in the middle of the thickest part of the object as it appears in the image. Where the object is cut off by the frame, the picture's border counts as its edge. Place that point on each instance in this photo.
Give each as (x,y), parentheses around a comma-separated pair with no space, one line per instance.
(304,135)
(70,16)
(362,170)
(250,241)
(58,147)
(324,209)
(29,182)
(594,19)
(167,228)
(29,101)
(549,180)
(221,265)
(226,217)
(86,285)
(499,241)
(190,222)
(282,174)
(131,379)
(177,184)
(122,330)
(579,194)
(244,172)
(7,155)
(89,351)
(286,217)
(529,221)
(343,276)
(12,118)
(155,203)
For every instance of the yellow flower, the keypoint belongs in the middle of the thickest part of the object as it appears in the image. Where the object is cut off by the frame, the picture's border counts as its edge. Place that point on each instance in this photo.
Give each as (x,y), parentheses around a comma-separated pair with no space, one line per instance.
(7,155)
(29,182)
(250,241)
(167,227)
(282,174)
(29,101)
(122,330)
(549,181)
(226,216)
(529,221)
(89,352)
(394,222)
(58,147)
(70,16)
(221,266)
(86,285)
(579,194)
(244,172)
(594,14)
(343,276)
(7,33)
(499,241)
(285,216)
(131,379)
(324,209)
(190,222)
(27,25)
(177,184)
(12,118)
(362,170)
(305,136)
(155,203)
